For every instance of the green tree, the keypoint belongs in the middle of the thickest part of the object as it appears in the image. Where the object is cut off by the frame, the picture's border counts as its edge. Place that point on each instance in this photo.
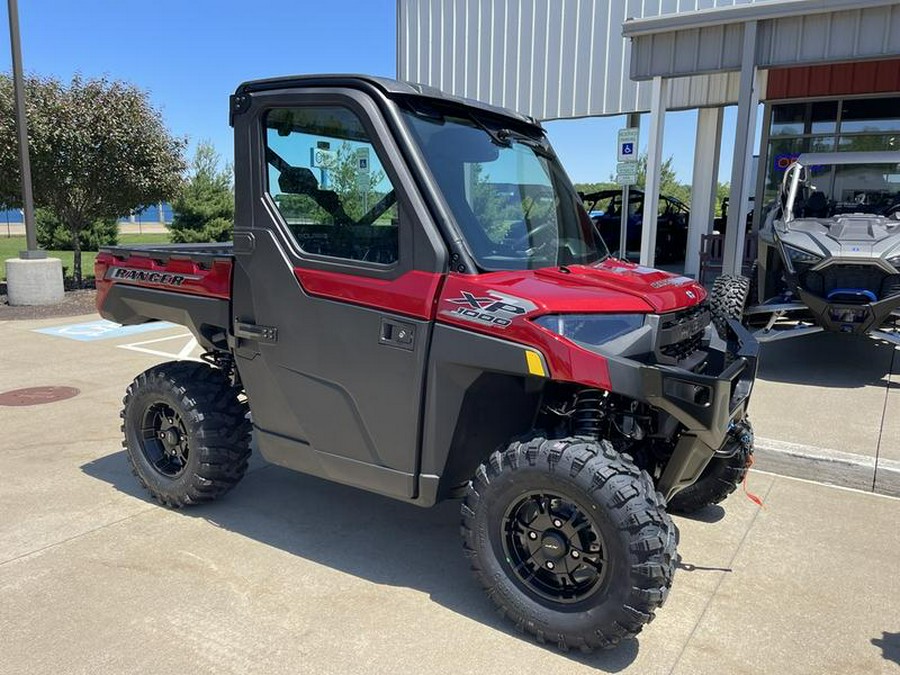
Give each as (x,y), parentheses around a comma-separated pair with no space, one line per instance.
(53,234)
(358,190)
(204,208)
(669,184)
(98,149)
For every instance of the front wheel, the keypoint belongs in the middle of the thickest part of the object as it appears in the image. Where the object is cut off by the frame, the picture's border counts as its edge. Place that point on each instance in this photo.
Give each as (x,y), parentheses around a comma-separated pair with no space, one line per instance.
(186,432)
(570,540)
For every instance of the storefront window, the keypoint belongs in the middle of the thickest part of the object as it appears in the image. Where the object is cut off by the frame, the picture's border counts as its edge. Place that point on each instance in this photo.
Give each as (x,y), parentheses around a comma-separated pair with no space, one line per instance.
(866,143)
(865,125)
(788,119)
(870,115)
(823,117)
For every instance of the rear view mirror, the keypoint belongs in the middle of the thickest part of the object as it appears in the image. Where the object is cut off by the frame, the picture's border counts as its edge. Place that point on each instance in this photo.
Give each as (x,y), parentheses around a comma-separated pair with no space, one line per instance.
(459,144)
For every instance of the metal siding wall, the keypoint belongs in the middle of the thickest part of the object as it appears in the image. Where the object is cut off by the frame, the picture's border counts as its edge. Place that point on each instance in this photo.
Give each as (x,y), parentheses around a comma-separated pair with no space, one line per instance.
(547,58)
(853,34)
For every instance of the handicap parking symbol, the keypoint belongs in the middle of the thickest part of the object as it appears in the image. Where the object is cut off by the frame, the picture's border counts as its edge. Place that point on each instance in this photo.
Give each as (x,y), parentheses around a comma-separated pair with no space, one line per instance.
(627,148)
(101,330)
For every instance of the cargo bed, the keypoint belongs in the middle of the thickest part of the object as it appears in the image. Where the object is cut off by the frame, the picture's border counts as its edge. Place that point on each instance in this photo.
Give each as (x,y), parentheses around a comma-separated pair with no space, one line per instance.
(187,284)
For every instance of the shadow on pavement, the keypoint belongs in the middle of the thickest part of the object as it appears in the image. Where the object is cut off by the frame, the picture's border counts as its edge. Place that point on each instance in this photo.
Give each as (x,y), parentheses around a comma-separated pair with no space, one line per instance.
(829,360)
(708,514)
(371,537)
(890,646)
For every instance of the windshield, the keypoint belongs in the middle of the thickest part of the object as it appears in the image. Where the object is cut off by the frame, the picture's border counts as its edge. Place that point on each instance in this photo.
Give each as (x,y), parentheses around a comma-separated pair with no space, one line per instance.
(828,190)
(509,196)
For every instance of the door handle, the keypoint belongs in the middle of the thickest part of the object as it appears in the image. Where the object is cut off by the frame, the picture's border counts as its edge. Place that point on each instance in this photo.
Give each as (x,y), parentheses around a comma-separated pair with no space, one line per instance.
(397,334)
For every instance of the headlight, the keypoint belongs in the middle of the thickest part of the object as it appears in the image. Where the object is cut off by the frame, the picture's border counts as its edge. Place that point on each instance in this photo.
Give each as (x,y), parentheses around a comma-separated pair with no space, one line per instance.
(798,255)
(591,329)
(895,261)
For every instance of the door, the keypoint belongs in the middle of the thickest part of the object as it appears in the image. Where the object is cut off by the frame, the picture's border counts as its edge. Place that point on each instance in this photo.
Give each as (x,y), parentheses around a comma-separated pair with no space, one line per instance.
(337,269)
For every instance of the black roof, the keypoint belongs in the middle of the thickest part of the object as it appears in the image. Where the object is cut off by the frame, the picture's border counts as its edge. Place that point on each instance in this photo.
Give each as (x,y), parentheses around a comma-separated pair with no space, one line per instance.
(386,85)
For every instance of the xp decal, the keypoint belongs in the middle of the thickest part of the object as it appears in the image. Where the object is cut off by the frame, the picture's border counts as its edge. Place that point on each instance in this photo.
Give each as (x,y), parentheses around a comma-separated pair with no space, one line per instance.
(492,308)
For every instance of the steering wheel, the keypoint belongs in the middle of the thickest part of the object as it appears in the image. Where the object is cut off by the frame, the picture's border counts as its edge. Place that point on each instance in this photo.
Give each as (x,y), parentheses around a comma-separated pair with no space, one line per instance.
(522,241)
(892,211)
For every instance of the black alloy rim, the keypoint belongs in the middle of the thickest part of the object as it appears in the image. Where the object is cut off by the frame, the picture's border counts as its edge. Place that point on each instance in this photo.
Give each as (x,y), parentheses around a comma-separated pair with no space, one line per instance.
(554,548)
(164,440)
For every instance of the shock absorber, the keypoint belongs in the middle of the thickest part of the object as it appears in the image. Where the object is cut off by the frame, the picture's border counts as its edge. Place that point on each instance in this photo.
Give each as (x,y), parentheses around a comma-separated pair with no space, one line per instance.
(589,413)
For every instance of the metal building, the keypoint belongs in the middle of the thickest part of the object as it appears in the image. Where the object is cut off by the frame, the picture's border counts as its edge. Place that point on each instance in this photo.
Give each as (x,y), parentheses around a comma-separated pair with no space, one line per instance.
(556,59)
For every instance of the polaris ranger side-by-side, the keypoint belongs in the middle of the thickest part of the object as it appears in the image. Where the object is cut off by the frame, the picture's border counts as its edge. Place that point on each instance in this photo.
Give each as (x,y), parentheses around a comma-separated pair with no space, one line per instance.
(417,304)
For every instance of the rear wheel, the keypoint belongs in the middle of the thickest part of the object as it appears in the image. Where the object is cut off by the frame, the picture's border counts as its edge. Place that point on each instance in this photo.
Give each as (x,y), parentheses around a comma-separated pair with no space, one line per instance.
(186,433)
(728,300)
(721,476)
(570,540)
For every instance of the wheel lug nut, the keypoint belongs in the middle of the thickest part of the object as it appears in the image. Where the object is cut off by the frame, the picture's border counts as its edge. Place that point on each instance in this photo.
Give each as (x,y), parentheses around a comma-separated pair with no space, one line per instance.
(575,554)
(557,523)
(532,535)
(550,565)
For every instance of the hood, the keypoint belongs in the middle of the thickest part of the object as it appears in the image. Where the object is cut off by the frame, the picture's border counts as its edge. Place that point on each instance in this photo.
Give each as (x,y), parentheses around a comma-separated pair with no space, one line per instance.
(610,286)
(849,235)
(661,291)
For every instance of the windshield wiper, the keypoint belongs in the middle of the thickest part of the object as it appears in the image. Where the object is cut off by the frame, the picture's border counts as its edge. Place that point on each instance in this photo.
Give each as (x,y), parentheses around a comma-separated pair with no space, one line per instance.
(508,135)
(504,137)
(495,134)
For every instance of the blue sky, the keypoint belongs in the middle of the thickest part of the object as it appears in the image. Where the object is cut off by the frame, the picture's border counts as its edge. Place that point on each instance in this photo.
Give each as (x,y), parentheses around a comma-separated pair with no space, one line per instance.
(190,55)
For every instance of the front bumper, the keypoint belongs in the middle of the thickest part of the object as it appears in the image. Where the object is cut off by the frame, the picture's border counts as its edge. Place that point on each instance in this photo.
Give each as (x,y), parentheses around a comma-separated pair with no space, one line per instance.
(857,319)
(706,404)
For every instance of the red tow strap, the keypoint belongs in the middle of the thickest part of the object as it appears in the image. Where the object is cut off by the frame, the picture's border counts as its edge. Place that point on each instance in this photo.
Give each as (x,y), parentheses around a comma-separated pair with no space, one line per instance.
(752,497)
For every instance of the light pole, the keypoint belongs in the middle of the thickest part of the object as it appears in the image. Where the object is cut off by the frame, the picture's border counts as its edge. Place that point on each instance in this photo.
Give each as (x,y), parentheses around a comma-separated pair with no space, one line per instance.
(22,124)
(32,278)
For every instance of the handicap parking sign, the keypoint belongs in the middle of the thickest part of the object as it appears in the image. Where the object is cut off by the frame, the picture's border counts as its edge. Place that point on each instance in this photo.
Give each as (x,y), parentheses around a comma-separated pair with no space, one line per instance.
(627,144)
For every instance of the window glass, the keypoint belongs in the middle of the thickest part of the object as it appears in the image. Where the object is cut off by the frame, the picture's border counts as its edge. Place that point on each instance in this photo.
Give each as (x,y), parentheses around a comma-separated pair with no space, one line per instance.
(866,143)
(871,115)
(788,119)
(823,117)
(508,194)
(329,185)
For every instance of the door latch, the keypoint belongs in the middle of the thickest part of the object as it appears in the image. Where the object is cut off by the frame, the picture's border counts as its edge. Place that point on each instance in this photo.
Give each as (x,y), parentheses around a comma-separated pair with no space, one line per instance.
(397,334)
(250,331)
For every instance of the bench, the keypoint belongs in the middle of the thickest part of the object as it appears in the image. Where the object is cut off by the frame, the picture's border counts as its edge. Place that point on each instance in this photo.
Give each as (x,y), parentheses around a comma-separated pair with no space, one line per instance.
(711,255)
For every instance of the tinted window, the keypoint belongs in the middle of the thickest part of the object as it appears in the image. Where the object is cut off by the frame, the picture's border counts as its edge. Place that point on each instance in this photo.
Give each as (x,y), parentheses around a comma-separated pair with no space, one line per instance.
(509,196)
(871,115)
(329,184)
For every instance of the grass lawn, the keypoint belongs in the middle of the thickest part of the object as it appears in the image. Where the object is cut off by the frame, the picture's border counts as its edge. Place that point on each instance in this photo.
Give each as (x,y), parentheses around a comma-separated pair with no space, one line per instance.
(10,247)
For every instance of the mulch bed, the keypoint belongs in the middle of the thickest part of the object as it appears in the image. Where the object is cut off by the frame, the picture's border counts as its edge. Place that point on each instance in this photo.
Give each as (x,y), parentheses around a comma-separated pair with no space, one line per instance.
(76,302)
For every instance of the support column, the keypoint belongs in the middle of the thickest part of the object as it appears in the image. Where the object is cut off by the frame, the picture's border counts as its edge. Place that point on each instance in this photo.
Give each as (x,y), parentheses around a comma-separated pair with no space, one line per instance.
(703,184)
(658,101)
(743,147)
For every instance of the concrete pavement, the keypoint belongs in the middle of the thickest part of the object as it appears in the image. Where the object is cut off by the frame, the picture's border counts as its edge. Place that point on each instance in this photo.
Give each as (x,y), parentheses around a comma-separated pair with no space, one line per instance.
(827,407)
(292,574)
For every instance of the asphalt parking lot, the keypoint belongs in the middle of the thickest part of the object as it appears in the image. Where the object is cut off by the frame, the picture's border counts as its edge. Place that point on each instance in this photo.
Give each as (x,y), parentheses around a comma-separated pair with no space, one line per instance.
(292,574)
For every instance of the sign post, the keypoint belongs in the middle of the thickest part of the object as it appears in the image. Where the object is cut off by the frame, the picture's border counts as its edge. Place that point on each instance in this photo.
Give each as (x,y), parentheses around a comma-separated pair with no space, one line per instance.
(626,176)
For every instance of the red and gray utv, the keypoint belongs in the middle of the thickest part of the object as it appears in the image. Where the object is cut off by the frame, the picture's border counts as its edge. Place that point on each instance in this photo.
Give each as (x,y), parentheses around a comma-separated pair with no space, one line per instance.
(417,304)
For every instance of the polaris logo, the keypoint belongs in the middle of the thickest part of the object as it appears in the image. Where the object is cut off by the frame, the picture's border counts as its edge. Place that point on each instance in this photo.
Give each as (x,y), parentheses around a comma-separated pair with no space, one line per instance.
(149,276)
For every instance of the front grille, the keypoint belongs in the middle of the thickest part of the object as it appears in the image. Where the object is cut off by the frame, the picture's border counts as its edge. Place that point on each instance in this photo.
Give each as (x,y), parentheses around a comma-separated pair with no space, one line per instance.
(683,316)
(682,350)
(681,334)
(848,276)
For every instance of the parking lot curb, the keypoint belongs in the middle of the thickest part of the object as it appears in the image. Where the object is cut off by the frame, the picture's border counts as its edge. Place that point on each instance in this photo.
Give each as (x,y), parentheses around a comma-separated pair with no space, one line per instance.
(828,466)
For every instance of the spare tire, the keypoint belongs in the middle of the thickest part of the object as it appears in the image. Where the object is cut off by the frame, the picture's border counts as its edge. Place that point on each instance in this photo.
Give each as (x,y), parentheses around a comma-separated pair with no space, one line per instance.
(728,300)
